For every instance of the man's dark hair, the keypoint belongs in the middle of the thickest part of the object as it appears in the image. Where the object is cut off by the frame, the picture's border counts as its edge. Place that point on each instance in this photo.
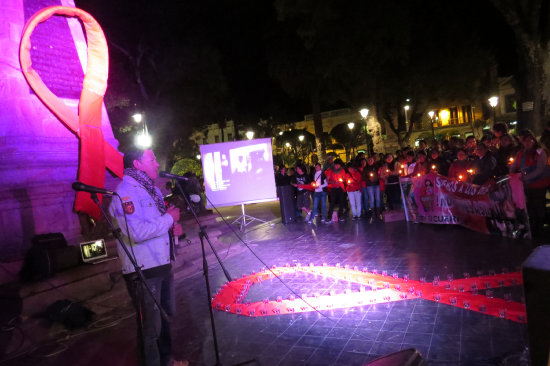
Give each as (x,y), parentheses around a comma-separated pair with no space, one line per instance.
(481,145)
(130,156)
(487,137)
(500,127)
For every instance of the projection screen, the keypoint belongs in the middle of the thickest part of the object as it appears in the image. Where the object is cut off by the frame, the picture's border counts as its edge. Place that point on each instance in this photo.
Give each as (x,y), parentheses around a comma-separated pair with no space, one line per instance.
(238,172)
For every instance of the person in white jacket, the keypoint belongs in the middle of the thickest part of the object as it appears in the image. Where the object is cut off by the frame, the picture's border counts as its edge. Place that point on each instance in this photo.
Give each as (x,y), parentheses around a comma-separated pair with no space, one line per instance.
(320,194)
(148,240)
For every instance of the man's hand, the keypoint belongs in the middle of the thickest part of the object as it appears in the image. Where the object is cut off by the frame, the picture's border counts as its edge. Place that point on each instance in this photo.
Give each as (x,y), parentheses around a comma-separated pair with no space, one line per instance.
(174,212)
(178,230)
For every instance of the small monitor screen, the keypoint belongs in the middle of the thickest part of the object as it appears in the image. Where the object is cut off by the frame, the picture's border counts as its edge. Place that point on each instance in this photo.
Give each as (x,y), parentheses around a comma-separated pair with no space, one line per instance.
(93,249)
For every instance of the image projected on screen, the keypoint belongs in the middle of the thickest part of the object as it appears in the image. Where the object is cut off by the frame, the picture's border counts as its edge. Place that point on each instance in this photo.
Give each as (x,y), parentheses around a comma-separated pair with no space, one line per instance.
(238,172)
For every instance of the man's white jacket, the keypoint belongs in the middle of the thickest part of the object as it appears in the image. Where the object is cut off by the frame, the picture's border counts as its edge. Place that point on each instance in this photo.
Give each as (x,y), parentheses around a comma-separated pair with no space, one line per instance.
(148,228)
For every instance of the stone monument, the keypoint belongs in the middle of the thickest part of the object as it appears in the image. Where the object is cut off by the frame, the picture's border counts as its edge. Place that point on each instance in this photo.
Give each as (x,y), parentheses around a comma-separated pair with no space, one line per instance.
(38,154)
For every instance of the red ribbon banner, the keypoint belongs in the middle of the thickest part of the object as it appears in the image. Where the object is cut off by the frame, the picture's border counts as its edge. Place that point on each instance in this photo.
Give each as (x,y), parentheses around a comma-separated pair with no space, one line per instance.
(96,154)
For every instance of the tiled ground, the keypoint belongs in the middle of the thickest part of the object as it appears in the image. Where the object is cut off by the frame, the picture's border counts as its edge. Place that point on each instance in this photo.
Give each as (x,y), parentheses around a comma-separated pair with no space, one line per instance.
(444,335)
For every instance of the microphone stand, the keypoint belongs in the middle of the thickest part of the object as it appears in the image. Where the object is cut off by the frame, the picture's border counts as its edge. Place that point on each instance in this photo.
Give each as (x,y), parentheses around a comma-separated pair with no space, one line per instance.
(204,235)
(139,295)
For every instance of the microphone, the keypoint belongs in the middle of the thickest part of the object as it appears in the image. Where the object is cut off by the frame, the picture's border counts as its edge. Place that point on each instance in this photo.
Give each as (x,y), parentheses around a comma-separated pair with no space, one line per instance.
(77,186)
(171,176)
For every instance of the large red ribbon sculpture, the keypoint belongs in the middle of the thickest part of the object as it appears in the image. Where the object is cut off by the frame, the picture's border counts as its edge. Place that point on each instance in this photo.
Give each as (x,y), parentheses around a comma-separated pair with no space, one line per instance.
(375,289)
(96,154)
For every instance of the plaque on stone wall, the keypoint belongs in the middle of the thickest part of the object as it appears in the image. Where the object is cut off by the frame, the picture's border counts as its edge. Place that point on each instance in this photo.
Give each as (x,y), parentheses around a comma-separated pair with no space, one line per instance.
(527,106)
(53,53)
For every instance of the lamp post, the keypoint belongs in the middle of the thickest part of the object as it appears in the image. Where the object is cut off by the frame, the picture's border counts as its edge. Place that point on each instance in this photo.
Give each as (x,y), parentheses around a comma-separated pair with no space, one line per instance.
(249,135)
(493,102)
(406,107)
(431,114)
(351,125)
(364,114)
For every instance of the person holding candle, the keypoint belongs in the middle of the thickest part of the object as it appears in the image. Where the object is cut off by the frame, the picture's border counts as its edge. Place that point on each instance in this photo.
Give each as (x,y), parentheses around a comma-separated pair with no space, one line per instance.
(371,177)
(320,193)
(505,154)
(390,173)
(336,183)
(532,162)
(353,188)
(459,168)
(485,167)
(438,164)
(298,181)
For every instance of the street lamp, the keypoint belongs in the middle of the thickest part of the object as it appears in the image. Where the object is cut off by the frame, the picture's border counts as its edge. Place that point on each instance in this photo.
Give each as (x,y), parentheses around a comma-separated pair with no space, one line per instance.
(406,107)
(351,125)
(143,140)
(431,114)
(249,135)
(493,102)
(301,138)
(364,114)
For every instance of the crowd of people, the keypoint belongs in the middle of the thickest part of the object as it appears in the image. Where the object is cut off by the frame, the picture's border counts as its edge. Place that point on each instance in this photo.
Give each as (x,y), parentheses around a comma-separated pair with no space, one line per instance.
(368,185)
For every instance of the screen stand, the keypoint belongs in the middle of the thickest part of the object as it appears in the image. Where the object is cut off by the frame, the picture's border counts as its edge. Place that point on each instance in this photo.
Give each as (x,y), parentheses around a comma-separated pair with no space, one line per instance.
(244,220)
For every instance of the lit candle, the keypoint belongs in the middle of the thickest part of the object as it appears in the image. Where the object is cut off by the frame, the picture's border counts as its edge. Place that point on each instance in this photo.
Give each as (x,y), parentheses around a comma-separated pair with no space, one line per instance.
(340,180)
(400,171)
(402,166)
(372,174)
(313,184)
(349,181)
(387,170)
(418,175)
(433,167)
(460,177)
(511,160)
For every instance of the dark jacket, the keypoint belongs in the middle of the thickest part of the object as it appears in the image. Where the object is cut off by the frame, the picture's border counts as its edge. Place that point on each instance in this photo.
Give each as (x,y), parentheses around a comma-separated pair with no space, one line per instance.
(370,174)
(282,180)
(484,168)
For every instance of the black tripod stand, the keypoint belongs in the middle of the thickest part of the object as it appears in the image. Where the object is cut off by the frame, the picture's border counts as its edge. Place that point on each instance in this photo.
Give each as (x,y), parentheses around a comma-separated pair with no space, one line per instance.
(204,235)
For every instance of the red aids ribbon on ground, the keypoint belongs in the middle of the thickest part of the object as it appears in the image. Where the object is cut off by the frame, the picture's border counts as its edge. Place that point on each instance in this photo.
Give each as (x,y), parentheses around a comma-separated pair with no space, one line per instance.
(375,289)
(96,154)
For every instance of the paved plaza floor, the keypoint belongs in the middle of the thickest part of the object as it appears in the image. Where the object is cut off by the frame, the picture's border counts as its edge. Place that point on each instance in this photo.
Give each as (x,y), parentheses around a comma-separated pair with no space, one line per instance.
(443,334)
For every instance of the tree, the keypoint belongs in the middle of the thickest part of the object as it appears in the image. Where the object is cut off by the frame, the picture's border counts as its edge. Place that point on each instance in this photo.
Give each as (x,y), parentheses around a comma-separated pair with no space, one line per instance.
(183,166)
(530,23)
(434,50)
(297,145)
(316,52)
(350,138)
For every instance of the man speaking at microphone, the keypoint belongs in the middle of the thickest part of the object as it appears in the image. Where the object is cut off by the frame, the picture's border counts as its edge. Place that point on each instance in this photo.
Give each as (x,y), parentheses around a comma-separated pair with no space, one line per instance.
(149,222)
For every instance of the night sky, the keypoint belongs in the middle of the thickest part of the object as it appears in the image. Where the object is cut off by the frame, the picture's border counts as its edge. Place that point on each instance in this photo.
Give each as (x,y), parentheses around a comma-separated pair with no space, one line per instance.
(223,48)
